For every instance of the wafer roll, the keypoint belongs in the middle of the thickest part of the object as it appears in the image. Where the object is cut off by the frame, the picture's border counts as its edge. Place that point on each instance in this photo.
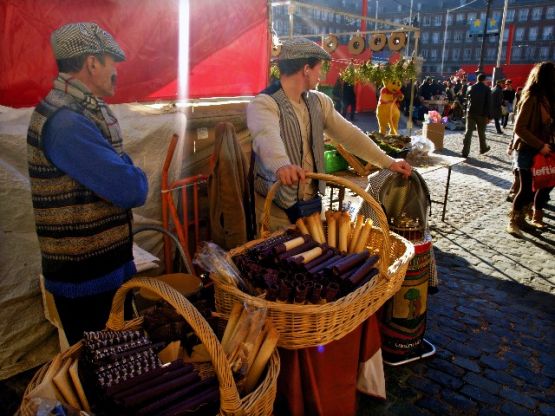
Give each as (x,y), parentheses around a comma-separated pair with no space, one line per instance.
(344,230)
(363,238)
(356,233)
(307,256)
(234,315)
(301,225)
(288,245)
(317,218)
(363,270)
(261,359)
(349,262)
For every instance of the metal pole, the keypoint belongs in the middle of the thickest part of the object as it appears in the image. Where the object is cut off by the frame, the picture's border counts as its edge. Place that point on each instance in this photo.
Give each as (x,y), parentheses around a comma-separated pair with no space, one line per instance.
(502,32)
(484,34)
(444,42)
(412,81)
(376,23)
(408,34)
(291,11)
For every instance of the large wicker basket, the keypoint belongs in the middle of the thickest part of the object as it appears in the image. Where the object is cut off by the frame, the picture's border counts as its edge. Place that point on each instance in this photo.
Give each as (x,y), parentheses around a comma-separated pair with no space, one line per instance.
(303,326)
(259,402)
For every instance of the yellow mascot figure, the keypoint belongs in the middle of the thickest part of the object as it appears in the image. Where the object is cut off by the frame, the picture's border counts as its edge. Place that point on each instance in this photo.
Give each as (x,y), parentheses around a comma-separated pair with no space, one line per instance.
(388,110)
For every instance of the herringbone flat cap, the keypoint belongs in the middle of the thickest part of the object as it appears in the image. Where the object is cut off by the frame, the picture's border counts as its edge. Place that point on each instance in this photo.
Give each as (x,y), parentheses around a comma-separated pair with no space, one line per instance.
(297,48)
(75,39)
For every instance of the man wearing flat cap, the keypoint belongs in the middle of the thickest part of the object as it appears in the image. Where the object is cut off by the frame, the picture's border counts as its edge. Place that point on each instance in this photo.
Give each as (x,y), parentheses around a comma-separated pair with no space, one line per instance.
(83,185)
(287,122)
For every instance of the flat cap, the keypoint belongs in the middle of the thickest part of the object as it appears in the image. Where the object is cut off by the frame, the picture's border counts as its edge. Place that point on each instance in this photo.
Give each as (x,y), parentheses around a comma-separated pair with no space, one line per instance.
(75,39)
(299,48)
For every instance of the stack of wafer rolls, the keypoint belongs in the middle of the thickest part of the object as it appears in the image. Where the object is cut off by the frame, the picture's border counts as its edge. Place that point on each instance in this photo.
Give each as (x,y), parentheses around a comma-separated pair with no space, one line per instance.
(327,254)
(248,342)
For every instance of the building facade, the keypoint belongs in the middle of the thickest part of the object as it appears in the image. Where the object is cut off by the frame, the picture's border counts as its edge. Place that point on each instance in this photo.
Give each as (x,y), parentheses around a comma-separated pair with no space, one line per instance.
(445,42)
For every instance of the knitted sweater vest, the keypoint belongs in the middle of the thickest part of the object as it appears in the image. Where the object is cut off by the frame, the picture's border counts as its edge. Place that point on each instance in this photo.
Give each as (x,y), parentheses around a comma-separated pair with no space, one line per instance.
(81,236)
(292,139)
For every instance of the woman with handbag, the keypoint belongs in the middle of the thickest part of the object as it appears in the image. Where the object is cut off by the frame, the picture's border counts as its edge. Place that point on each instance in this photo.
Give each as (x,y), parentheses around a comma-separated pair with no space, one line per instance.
(534,134)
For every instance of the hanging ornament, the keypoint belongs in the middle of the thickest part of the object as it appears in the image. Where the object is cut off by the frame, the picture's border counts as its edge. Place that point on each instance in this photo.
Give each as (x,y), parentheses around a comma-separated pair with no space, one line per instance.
(397,41)
(357,44)
(330,43)
(276,46)
(377,42)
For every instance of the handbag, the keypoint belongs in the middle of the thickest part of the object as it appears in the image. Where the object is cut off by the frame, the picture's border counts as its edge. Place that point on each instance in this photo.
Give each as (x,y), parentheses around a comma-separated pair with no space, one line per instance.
(504,110)
(543,171)
(304,208)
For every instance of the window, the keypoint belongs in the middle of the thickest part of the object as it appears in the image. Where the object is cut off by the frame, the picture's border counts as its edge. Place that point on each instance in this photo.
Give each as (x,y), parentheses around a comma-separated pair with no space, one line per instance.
(510,15)
(424,53)
(497,15)
(550,12)
(506,35)
(533,33)
(491,54)
(455,54)
(427,20)
(460,17)
(537,13)
(467,37)
(435,37)
(425,37)
(493,39)
(523,14)
(438,20)
(477,54)
(519,33)
(516,53)
(467,54)
(530,52)
(449,19)
(337,19)
(544,53)
(503,54)
(471,17)
(457,36)
(547,33)
(483,16)
(433,54)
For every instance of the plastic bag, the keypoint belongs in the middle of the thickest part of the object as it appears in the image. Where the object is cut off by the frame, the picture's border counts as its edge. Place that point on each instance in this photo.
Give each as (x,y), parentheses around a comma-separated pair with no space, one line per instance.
(212,258)
(50,407)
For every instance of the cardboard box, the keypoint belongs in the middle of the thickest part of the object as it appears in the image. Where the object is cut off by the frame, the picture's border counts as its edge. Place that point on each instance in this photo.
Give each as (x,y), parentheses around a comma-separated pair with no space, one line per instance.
(434,132)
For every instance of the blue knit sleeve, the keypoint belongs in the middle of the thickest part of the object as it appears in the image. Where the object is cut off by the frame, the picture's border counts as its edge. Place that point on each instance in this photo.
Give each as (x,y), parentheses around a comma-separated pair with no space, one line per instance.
(76,146)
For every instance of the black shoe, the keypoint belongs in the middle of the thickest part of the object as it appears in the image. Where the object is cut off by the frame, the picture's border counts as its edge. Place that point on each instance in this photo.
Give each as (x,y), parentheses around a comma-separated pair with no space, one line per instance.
(487,149)
(464,155)
(500,132)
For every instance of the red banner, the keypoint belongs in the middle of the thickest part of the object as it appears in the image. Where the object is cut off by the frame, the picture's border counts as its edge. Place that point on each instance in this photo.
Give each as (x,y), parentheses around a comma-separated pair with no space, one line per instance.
(227,46)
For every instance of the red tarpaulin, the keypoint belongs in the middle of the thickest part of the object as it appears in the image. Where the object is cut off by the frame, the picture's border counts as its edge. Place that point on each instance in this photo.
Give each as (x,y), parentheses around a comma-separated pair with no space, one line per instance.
(228,46)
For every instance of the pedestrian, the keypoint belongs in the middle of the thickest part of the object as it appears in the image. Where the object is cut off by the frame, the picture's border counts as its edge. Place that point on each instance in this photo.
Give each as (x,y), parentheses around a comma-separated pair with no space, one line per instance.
(477,114)
(83,184)
(337,95)
(496,103)
(349,101)
(534,133)
(508,99)
(287,122)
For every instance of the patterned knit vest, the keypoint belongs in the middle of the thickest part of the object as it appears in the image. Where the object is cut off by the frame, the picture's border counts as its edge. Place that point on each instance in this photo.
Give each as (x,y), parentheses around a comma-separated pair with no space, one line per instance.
(290,131)
(81,236)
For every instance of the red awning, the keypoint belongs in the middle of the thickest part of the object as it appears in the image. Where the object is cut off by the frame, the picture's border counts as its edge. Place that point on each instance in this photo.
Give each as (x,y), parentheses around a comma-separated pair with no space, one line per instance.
(228,46)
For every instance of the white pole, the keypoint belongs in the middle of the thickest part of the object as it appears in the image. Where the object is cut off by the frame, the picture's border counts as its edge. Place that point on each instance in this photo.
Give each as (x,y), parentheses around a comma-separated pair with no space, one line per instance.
(408,34)
(444,42)
(376,23)
(502,32)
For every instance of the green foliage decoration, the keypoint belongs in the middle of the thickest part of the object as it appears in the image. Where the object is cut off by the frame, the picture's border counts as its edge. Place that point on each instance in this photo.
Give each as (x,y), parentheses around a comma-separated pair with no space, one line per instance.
(369,73)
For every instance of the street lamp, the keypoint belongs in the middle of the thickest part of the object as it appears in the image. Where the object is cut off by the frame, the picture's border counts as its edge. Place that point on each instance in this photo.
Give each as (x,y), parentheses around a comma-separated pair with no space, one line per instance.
(484,34)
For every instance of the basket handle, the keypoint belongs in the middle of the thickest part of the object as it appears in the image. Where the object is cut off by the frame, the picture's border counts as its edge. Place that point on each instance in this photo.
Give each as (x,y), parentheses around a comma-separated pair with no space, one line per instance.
(230,402)
(385,254)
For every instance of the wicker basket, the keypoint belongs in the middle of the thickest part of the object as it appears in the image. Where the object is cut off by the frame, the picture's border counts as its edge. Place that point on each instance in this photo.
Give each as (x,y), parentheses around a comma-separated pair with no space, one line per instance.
(303,326)
(259,402)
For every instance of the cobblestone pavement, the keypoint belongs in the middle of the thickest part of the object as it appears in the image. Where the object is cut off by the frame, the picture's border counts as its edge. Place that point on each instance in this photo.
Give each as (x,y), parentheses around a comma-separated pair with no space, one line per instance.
(493,318)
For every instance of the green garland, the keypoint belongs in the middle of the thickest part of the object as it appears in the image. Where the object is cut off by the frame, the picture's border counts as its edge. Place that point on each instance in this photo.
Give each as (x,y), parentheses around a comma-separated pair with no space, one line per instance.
(368,73)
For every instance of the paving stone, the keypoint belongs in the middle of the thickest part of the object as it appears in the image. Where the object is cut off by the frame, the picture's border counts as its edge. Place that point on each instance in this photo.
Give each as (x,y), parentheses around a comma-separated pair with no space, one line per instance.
(494,362)
(480,395)
(547,410)
(464,350)
(407,409)
(488,412)
(483,383)
(425,385)
(503,378)
(447,367)
(444,379)
(514,410)
(467,364)
(517,397)
(459,402)
(435,406)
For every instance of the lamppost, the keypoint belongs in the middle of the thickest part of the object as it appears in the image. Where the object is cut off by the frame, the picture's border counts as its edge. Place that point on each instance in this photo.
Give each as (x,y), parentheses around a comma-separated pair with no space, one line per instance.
(484,34)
